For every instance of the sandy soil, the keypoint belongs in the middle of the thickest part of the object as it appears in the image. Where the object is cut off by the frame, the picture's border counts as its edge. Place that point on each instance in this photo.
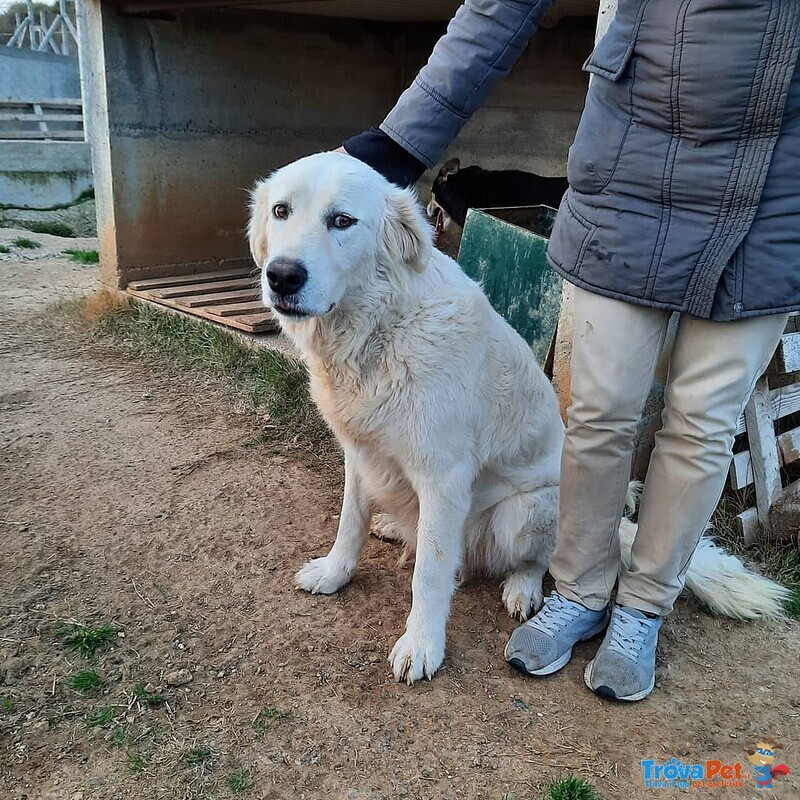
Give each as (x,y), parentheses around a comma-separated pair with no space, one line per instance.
(127,495)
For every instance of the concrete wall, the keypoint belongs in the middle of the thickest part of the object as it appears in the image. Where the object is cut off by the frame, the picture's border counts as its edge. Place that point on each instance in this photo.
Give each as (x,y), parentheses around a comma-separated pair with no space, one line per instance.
(37,174)
(43,174)
(529,121)
(27,74)
(184,115)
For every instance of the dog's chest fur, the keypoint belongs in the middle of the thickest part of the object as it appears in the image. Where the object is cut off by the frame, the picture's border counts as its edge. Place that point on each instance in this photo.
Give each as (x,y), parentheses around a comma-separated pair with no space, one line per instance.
(363,419)
(359,400)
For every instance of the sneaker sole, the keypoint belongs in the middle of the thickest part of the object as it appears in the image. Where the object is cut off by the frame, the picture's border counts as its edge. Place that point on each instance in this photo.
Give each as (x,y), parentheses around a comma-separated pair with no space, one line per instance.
(609,694)
(554,666)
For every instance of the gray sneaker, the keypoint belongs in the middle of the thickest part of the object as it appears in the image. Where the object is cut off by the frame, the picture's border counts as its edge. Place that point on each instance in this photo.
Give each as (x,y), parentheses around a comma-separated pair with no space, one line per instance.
(543,645)
(625,665)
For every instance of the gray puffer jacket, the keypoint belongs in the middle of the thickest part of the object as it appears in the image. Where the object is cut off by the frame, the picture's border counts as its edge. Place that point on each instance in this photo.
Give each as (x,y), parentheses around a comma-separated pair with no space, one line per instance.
(685,170)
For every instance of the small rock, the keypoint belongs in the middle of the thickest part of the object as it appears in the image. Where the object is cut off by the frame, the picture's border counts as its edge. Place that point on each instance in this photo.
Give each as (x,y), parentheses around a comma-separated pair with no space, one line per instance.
(178,678)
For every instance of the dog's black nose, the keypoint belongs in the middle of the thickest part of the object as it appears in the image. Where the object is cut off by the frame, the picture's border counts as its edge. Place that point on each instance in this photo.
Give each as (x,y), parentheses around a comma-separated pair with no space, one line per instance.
(286,276)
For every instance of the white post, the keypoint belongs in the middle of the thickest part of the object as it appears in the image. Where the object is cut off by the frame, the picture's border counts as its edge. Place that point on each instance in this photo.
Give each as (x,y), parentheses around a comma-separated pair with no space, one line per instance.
(31,25)
(62,9)
(604,16)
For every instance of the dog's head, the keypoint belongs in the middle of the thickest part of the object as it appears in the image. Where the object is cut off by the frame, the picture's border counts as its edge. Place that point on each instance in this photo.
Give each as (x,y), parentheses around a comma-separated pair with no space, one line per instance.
(441,219)
(323,227)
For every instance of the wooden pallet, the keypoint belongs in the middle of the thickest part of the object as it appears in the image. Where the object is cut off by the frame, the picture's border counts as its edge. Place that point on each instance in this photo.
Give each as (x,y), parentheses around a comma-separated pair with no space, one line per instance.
(230,297)
(767,451)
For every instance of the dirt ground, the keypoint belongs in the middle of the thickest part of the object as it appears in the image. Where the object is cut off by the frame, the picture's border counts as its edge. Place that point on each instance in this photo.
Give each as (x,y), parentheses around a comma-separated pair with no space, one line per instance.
(128,496)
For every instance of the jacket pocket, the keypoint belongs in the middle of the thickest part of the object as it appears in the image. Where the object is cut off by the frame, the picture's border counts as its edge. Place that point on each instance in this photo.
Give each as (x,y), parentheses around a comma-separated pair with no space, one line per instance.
(569,239)
(611,54)
(607,115)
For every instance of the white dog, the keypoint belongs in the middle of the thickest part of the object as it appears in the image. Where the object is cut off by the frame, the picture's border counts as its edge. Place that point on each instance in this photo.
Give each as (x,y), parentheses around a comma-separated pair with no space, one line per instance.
(447,423)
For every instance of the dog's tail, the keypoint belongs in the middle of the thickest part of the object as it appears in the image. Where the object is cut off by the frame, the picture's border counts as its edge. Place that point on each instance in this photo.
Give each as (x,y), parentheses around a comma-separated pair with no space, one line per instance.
(718,579)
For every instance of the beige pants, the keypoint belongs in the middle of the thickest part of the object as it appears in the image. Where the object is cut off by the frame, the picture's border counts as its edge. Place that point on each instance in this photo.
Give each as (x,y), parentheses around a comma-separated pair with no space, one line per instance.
(713,369)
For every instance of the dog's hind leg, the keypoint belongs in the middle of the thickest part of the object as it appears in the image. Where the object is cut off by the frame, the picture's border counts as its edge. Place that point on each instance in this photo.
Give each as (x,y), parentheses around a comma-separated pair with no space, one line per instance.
(329,574)
(524,529)
(522,589)
(389,528)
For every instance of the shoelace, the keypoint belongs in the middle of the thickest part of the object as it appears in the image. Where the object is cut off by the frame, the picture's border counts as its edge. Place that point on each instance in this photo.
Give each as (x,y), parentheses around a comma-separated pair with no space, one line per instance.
(556,613)
(628,635)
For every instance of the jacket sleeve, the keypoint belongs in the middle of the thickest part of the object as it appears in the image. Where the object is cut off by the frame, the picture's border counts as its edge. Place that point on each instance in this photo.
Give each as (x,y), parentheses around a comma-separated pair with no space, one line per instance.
(482,42)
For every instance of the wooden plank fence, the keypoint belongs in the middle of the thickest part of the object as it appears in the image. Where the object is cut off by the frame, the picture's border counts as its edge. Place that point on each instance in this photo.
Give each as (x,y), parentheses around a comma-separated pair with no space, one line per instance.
(42,118)
(57,35)
(762,465)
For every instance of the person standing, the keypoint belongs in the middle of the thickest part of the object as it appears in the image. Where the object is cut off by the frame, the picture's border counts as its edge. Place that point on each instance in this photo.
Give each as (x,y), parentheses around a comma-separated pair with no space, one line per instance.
(684,197)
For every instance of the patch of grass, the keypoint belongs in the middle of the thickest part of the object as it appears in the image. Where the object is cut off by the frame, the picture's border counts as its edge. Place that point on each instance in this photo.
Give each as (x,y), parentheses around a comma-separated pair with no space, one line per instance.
(161,590)
(85,640)
(776,557)
(570,788)
(793,604)
(83,256)
(87,194)
(122,738)
(6,704)
(85,681)
(196,756)
(146,698)
(267,716)
(25,244)
(269,380)
(136,763)
(101,717)
(239,781)
(257,441)
(4,249)
(94,312)
(53,228)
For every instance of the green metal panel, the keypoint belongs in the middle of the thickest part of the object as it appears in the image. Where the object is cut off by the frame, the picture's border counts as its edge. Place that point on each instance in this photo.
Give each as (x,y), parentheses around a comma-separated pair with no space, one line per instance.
(504,249)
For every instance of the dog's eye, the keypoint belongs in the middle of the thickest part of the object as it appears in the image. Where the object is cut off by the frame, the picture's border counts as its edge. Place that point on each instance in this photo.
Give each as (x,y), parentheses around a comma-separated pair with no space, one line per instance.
(280,211)
(342,221)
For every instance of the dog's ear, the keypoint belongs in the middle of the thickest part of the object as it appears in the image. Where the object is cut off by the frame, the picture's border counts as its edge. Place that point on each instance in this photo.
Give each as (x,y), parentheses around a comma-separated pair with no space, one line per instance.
(406,235)
(450,167)
(257,226)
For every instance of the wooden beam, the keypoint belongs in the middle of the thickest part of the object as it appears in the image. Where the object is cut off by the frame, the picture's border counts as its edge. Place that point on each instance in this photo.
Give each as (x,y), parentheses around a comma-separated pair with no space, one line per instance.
(763,449)
(788,353)
(783,401)
(43,135)
(44,102)
(747,523)
(741,470)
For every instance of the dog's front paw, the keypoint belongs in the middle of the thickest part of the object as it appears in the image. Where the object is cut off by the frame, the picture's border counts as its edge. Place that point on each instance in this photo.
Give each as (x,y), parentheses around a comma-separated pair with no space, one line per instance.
(417,654)
(323,576)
